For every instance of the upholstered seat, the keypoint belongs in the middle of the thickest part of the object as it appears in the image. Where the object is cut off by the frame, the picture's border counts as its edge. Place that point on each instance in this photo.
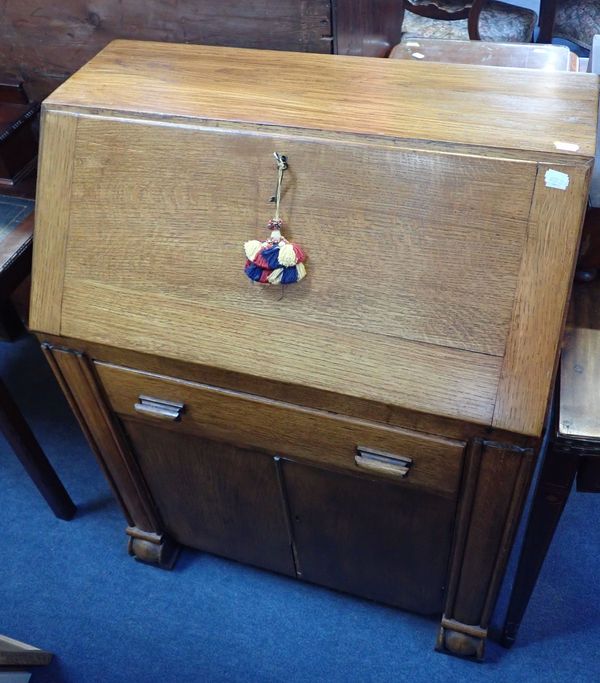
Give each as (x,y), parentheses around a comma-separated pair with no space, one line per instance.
(498,22)
(577,21)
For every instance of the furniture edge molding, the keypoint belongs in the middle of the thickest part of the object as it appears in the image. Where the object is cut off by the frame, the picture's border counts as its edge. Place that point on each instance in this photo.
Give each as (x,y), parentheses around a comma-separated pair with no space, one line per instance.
(484,532)
(544,284)
(55,170)
(76,377)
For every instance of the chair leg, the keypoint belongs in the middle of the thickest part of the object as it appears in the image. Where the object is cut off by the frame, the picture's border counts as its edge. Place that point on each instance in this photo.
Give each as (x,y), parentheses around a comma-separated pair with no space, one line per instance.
(27,449)
(473,19)
(547,15)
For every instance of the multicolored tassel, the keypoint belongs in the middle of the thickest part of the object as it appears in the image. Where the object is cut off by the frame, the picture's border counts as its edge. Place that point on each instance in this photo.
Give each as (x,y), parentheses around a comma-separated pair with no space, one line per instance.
(274,261)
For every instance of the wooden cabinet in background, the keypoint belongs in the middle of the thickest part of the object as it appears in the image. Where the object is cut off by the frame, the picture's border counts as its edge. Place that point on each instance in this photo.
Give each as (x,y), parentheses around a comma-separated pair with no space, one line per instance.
(373,427)
(44,45)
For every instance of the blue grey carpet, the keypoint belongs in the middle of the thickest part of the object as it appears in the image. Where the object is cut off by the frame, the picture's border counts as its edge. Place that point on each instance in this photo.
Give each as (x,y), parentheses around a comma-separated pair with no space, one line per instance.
(69,587)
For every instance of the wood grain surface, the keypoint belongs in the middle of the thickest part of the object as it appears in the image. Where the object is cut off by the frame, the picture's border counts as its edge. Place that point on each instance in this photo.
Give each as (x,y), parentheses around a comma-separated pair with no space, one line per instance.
(495,481)
(437,276)
(427,378)
(52,212)
(370,538)
(44,44)
(381,259)
(284,429)
(489,107)
(228,498)
(541,301)
(579,409)
(485,53)
(308,397)
(584,307)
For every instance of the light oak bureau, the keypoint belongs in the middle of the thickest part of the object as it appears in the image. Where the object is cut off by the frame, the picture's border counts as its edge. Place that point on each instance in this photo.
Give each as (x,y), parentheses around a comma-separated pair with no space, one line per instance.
(440,207)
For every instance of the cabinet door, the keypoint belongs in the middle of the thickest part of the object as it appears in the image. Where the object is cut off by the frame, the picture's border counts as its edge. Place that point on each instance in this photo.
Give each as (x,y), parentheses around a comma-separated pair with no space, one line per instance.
(370,537)
(214,496)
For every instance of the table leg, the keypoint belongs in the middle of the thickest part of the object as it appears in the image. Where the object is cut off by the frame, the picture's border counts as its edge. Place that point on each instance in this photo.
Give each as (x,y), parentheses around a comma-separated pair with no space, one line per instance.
(551,494)
(23,442)
(11,326)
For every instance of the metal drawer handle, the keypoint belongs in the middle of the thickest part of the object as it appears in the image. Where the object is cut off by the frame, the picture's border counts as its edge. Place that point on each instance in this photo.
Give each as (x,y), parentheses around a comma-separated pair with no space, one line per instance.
(382,462)
(158,407)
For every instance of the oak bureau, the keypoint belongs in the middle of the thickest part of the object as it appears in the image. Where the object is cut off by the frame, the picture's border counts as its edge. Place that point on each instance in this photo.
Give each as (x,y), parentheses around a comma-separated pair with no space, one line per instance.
(372,427)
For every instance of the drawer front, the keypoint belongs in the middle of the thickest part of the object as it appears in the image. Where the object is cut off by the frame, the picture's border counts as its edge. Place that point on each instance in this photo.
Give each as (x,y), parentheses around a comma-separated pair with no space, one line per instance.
(412,459)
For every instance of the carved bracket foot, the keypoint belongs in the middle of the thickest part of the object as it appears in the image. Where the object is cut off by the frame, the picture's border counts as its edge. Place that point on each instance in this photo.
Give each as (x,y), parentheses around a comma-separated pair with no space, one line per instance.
(461,640)
(152,548)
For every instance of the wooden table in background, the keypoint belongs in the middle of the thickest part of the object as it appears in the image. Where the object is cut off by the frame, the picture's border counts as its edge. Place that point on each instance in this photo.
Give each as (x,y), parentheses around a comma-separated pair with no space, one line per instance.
(520,55)
(573,450)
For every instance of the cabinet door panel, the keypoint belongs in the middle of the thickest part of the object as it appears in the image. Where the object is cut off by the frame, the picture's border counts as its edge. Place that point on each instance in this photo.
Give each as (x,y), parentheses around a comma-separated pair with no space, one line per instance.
(369,537)
(214,496)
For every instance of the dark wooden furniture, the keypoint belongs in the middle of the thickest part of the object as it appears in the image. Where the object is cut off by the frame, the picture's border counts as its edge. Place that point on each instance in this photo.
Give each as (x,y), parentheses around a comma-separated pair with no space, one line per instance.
(458,20)
(18,151)
(18,139)
(18,142)
(44,45)
(450,11)
(372,428)
(574,20)
(18,156)
(367,28)
(574,448)
(12,91)
(546,23)
(589,255)
(25,446)
(15,265)
(15,260)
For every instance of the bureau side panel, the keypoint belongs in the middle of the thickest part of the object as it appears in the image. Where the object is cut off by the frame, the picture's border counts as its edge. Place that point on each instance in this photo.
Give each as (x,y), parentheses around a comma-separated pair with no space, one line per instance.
(52,220)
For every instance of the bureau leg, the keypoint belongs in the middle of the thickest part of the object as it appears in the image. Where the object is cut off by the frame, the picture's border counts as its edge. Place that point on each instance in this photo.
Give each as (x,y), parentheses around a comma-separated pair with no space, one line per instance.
(152,548)
(77,378)
(493,492)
